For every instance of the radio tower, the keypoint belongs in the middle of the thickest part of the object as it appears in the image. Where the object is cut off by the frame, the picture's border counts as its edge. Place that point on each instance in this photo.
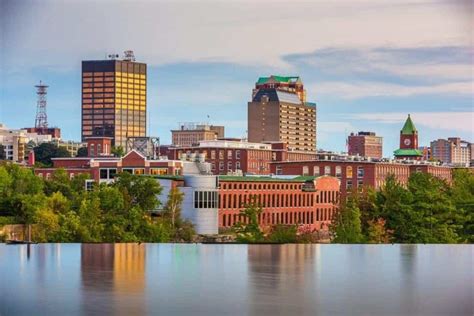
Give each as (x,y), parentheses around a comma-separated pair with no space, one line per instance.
(41,121)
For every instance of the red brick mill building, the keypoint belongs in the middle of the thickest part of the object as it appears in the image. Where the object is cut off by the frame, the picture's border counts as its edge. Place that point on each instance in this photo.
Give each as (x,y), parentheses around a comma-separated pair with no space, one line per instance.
(300,200)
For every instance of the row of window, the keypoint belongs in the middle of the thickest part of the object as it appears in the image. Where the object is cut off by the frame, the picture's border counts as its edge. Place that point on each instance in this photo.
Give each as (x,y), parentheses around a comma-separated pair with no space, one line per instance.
(285,218)
(232,201)
(206,199)
(110,173)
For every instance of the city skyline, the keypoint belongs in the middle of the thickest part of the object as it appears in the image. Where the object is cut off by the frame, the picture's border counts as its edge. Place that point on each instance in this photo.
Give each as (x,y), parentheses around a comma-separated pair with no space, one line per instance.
(365,82)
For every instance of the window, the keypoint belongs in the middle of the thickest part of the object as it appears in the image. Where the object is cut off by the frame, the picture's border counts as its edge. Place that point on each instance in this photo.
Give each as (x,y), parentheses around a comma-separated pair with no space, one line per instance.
(349,172)
(205,199)
(349,184)
(279,170)
(221,154)
(229,165)
(213,154)
(129,170)
(89,185)
(338,172)
(305,170)
(360,172)
(237,154)
(316,171)
(107,173)
(158,171)
(221,165)
(229,154)
(138,171)
(327,170)
(237,165)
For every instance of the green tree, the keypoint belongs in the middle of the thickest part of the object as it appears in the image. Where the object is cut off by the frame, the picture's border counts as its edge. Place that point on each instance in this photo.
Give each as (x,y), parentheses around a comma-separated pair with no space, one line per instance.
(45,151)
(283,234)
(248,230)
(462,195)
(82,152)
(377,233)
(346,226)
(118,151)
(141,191)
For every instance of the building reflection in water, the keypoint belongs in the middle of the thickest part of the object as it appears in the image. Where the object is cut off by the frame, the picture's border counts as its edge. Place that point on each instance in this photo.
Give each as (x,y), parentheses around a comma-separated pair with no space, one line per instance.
(287,272)
(113,279)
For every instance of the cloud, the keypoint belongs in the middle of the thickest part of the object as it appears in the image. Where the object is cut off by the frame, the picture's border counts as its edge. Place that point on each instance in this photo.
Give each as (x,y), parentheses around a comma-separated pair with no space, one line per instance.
(453,121)
(358,90)
(62,33)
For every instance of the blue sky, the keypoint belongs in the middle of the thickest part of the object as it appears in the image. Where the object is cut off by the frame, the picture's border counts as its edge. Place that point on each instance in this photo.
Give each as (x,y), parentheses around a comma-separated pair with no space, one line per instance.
(366,64)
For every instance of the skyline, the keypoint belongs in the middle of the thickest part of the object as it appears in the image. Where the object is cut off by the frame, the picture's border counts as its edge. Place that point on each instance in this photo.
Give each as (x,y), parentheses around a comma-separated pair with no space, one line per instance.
(368,81)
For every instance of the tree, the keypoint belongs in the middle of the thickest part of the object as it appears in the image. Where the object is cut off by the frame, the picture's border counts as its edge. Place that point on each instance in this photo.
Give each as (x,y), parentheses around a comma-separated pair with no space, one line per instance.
(82,152)
(283,234)
(377,233)
(248,230)
(173,206)
(462,195)
(46,151)
(138,191)
(346,226)
(118,151)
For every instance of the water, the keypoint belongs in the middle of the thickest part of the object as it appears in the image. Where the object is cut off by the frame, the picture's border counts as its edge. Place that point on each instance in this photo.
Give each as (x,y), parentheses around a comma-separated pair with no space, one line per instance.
(165,279)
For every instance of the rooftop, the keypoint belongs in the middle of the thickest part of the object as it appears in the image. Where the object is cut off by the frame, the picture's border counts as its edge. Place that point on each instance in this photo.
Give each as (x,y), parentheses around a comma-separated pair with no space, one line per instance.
(283,79)
(408,152)
(275,95)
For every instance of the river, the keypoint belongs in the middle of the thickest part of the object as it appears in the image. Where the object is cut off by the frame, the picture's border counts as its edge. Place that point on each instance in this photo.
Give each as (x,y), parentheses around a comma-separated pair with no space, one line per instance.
(198,279)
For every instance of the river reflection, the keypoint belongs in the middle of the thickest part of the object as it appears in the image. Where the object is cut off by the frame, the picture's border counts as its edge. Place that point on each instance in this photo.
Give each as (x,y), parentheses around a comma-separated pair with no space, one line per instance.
(183,279)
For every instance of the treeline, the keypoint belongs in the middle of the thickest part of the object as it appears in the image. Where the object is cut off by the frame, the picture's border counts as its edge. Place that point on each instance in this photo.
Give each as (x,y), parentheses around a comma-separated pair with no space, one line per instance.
(61,210)
(426,210)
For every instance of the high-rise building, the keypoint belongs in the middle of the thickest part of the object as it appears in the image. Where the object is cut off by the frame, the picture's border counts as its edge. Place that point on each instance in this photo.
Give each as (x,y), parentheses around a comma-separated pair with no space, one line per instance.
(408,142)
(365,144)
(190,134)
(114,98)
(452,151)
(279,115)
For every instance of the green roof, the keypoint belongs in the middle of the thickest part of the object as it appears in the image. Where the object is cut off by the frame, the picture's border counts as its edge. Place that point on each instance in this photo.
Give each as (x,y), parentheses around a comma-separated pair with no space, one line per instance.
(409,128)
(408,152)
(266,179)
(262,80)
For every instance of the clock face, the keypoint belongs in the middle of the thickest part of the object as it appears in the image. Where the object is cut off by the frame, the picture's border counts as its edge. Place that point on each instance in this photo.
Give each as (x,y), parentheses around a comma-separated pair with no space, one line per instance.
(407,142)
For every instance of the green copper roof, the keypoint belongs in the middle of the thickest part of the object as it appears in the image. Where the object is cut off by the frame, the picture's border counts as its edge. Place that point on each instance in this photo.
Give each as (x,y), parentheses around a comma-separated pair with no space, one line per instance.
(408,152)
(409,128)
(262,80)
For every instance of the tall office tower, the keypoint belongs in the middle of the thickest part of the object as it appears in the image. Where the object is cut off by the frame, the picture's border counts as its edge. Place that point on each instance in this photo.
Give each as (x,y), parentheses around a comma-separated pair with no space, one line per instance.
(278,114)
(288,84)
(114,98)
(365,144)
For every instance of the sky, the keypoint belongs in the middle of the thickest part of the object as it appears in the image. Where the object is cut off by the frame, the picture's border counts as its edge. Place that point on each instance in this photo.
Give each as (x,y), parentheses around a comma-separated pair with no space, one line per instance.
(366,64)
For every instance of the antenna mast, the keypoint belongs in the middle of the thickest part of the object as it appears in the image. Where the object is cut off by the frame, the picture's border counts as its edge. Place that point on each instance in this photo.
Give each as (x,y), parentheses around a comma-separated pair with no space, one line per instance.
(41,121)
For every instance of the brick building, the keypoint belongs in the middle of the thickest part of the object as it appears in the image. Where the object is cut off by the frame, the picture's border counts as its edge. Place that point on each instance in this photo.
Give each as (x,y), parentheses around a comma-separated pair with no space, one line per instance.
(453,151)
(190,134)
(365,144)
(227,156)
(102,167)
(355,174)
(299,200)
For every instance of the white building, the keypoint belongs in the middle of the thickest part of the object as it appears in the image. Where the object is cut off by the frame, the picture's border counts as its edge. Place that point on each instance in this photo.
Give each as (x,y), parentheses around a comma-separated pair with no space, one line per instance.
(200,201)
(17,141)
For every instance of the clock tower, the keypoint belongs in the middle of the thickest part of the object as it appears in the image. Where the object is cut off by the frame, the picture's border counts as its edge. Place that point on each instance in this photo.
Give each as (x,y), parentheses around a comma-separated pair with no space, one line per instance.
(408,142)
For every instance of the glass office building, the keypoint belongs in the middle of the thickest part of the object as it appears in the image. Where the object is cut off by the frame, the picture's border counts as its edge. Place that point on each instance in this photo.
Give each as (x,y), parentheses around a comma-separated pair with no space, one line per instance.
(114,99)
